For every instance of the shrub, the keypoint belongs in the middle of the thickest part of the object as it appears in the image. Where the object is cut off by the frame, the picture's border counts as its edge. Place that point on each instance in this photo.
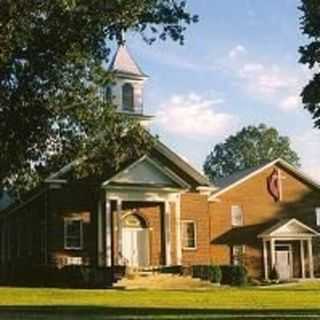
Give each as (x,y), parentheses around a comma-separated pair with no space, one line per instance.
(274,274)
(215,274)
(234,275)
(171,269)
(200,271)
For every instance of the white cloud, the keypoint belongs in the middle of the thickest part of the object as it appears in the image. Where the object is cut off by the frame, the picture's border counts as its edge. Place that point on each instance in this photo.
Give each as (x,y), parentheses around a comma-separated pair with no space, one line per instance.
(195,116)
(271,84)
(307,144)
(290,103)
(267,81)
(237,51)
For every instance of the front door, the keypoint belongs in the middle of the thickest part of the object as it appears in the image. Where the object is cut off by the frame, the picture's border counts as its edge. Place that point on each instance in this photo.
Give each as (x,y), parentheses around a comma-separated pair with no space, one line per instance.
(135,247)
(283,263)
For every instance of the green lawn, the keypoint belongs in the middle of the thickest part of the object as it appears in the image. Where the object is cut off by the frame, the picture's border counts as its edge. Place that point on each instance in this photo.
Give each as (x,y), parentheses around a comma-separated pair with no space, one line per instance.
(30,303)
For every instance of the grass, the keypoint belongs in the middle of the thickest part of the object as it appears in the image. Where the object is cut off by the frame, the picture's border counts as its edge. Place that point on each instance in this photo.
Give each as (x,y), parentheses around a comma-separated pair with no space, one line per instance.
(49,304)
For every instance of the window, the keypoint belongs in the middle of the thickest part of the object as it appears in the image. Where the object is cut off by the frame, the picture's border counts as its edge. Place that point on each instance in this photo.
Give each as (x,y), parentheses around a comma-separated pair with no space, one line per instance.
(318,216)
(238,254)
(236,216)
(73,233)
(127,97)
(189,235)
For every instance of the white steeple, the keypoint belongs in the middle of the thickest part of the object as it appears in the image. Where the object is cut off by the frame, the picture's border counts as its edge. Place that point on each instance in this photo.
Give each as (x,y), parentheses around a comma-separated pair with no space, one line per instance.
(127,90)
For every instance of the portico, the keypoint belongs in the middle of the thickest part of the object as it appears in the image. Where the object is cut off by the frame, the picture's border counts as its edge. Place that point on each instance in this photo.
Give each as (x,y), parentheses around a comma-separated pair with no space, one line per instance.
(140,223)
(286,244)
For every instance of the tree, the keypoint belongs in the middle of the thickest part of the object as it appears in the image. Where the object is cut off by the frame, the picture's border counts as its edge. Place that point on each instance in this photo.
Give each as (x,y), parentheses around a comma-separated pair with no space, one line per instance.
(250,147)
(310,56)
(51,55)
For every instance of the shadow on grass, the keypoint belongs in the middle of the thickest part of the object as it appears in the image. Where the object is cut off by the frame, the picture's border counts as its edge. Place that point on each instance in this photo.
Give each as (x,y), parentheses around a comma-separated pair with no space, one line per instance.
(93,312)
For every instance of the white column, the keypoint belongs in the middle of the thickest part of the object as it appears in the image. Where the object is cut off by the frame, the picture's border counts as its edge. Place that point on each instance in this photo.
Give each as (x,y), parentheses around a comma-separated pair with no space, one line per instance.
(303,269)
(178,230)
(310,254)
(108,238)
(273,253)
(100,235)
(265,260)
(167,226)
(119,232)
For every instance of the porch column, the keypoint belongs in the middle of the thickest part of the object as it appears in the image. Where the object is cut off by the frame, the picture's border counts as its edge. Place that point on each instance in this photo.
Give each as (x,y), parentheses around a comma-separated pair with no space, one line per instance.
(178,229)
(265,259)
(108,237)
(310,254)
(167,225)
(273,253)
(118,257)
(303,269)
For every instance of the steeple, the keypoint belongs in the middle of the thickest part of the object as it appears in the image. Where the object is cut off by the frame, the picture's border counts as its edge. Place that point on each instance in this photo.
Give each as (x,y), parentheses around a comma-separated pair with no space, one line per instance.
(127,91)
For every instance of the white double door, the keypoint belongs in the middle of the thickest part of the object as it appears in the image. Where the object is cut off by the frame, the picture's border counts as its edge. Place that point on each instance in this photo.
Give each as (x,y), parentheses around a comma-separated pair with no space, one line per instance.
(135,246)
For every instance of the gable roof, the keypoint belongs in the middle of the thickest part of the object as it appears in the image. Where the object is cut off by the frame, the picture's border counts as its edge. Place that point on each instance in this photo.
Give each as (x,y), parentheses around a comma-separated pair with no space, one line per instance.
(147,172)
(124,63)
(236,179)
(175,162)
(289,227)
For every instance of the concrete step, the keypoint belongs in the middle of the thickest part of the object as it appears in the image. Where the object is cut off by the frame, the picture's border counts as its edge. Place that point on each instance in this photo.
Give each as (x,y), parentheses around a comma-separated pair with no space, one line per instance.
(159,281)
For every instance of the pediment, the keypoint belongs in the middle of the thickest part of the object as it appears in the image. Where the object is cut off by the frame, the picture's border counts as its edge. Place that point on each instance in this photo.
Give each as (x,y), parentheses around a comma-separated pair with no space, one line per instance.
(147,172)
(292,228)
(289,228)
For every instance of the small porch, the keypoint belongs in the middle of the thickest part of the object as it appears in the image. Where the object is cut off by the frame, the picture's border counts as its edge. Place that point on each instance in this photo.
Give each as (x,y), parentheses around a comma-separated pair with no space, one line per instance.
(288,247)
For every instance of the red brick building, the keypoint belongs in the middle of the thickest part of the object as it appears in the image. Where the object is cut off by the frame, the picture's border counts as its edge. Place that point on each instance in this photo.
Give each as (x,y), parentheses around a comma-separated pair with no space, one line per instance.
(160,211)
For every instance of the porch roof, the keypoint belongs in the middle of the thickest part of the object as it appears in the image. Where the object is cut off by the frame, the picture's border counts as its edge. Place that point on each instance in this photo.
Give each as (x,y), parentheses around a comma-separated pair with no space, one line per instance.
(289,228)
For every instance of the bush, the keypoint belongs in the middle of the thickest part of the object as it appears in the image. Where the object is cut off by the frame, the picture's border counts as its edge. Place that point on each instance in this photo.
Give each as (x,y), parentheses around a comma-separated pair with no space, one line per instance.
(171,269)
(274,274)
(234,275)
(215,274)
(200,271)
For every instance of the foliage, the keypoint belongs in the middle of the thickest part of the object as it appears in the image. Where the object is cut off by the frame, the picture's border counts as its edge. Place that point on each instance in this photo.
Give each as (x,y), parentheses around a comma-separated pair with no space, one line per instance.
(310,56)
(235,275)
(215,274)
(51,72)
(274,274)
(250,147)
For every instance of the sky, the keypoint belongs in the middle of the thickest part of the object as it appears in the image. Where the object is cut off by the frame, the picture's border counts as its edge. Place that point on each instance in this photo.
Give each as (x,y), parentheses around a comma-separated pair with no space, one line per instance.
(238,66)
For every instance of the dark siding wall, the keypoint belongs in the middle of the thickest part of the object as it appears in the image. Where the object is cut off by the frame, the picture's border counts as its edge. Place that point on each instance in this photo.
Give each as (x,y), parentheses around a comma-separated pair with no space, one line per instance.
(76,200)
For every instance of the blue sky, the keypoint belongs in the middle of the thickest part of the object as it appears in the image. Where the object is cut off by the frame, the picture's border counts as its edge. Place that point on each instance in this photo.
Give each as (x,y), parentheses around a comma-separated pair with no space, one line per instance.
(238,67)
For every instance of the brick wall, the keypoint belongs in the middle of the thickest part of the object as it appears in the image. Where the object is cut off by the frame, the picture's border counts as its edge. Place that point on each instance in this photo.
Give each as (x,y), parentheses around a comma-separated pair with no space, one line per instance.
(195,207)
(260,211)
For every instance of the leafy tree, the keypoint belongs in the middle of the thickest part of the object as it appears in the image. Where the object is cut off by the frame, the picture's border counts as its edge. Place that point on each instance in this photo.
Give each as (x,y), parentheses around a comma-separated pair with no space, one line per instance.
(310,55)
(51,55)
(250,147)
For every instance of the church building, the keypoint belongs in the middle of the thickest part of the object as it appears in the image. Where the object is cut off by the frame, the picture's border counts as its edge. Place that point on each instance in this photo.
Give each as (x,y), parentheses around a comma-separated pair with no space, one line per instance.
(160,211)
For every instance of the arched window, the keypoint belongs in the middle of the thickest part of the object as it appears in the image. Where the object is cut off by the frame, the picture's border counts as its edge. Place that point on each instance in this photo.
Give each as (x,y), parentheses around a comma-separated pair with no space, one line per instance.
(128,97)
(134,221)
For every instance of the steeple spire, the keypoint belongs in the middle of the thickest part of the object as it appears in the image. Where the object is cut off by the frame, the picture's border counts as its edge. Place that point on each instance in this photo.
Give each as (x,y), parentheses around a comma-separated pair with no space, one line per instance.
(124,63)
